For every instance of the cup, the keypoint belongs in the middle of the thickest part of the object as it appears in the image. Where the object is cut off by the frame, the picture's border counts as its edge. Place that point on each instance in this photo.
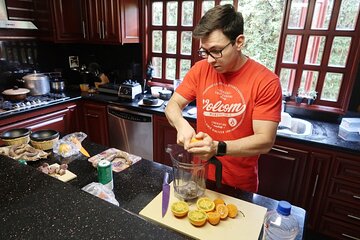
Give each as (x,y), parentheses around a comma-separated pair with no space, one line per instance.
(155,91)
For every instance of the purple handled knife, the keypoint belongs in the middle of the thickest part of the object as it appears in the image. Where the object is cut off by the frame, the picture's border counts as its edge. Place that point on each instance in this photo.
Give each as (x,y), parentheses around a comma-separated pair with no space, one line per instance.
(165,194)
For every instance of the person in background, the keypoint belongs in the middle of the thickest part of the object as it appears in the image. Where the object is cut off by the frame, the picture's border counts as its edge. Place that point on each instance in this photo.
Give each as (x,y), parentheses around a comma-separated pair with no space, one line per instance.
(238,101)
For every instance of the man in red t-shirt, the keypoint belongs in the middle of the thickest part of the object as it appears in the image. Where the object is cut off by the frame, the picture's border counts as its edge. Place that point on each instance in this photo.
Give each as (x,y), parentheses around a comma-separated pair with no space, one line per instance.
(238,101)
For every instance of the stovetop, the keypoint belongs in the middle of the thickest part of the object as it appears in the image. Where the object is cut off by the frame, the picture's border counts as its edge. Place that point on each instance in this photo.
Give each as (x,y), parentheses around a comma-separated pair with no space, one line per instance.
(30,102)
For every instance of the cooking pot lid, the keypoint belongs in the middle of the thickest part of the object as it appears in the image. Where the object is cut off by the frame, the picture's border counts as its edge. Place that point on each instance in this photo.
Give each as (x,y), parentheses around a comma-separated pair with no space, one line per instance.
(16,91)
(35,76)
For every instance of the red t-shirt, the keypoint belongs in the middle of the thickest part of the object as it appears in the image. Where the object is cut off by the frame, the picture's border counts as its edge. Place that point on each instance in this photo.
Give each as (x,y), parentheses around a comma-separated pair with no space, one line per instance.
(226,106)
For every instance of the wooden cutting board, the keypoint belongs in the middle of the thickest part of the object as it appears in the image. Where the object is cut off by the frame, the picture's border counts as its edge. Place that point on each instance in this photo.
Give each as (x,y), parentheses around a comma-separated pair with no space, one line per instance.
(245,226)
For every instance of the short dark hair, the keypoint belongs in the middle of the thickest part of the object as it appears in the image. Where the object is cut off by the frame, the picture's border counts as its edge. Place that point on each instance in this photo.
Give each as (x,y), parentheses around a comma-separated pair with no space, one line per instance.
(222,17)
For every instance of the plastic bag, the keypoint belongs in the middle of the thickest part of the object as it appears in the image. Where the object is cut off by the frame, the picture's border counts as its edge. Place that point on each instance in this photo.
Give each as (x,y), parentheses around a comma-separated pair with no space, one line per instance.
(69,145)
(99,190)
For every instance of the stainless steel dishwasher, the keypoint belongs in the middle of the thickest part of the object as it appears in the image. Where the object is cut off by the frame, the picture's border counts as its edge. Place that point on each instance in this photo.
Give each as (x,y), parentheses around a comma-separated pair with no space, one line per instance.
(131,131)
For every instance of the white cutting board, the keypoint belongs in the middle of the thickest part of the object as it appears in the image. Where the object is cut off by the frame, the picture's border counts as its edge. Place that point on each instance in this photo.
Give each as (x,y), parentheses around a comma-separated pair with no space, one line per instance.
(247,227)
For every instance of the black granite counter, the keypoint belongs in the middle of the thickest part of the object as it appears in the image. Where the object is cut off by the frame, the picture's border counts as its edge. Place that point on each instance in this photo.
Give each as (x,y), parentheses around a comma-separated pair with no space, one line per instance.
(34,205)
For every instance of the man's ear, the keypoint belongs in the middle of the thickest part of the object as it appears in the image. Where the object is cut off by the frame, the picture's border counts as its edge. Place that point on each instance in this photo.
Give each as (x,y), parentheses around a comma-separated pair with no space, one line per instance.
(240,41)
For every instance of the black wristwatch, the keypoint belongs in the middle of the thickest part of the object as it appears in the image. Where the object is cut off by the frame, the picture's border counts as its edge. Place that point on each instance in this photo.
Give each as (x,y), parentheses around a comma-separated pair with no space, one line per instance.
(221,149)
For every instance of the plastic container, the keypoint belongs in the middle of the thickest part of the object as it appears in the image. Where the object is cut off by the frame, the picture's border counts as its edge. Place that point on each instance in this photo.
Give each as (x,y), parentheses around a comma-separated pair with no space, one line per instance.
(279,224)
(349,134)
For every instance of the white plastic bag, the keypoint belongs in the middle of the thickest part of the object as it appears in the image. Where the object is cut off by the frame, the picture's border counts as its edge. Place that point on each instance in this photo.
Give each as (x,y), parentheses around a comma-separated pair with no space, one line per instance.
(99,190)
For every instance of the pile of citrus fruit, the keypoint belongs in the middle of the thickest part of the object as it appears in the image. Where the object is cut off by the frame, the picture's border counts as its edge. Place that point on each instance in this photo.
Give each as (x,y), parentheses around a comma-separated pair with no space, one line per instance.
(208,210)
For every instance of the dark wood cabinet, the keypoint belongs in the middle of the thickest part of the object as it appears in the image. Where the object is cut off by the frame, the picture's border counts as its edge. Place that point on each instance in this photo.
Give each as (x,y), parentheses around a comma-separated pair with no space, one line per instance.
(69,20)
(97,21)
(281,173)
(94,122)
(164,134)
(62,118)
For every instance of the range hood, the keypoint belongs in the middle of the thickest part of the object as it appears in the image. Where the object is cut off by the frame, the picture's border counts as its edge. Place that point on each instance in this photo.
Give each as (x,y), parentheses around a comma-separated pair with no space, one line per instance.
(11,24)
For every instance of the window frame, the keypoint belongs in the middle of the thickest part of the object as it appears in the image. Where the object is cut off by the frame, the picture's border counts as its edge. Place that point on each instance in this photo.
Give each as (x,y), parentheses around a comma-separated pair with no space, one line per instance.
(349,71)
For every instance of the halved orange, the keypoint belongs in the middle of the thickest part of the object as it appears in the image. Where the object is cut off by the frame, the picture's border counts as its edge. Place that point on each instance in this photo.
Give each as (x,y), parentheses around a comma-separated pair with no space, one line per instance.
(195,140)
(222,210)
(205,204)
(213,218)
(219,201)
(197,217)
(180,208)
(233,211)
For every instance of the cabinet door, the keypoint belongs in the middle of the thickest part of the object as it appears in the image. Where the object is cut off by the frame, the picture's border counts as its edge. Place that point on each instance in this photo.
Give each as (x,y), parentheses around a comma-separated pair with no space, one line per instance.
(94,20)
(111,21)
(130,28)
(317,174)
(281,173)
(164,134)
(95,122)
(69,20)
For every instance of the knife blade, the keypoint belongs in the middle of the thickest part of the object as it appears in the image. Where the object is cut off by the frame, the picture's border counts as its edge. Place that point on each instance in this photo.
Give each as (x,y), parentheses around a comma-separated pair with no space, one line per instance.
(165,194)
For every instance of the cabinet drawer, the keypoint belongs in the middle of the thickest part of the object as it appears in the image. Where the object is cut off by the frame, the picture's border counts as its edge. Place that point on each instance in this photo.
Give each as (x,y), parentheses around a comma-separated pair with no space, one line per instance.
(343,211)
(345,191)
(339,230)
(347,169)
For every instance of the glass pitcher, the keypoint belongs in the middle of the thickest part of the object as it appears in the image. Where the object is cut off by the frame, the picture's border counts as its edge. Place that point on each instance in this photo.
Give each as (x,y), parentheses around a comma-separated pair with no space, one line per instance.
(189,173)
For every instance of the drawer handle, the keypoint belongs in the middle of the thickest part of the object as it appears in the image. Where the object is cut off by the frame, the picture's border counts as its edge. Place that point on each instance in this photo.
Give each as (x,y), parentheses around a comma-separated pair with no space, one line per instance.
(280,150)
(92,115)
(354,217)
(349,236)
(357,197)
(315,185)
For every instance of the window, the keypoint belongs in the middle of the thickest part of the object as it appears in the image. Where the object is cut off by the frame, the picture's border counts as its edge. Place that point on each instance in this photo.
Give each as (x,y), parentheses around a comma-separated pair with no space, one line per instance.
(318,49)
(172,22)
(311,44)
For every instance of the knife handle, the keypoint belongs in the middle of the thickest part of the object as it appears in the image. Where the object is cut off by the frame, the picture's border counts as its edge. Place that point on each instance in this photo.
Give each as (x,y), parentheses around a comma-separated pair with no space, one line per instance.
(166,178)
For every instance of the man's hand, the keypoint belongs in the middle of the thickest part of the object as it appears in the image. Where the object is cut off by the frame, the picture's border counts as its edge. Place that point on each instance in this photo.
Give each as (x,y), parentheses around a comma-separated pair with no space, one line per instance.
(205,147)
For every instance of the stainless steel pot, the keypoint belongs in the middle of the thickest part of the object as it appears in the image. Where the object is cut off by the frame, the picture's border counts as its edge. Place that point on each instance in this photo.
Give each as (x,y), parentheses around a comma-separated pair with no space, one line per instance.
(37,83)
(57,85)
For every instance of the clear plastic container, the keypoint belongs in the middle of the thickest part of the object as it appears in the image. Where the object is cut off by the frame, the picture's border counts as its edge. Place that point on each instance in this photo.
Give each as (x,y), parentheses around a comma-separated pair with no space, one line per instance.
(280,224)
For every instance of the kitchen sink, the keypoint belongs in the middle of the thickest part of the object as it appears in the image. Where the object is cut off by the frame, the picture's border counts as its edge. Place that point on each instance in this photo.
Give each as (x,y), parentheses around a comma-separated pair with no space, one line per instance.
(297,127)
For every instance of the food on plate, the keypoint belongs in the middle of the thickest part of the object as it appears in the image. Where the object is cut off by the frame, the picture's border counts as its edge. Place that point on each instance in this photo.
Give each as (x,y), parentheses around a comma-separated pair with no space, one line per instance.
(179,209)
(205,204)
(213,218)
(197,217)
(233,211)
(222,210)
(23,151)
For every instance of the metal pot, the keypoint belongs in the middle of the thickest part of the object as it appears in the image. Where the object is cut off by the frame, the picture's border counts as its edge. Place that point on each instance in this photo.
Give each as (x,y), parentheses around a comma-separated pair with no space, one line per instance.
(57,85)
(37,83)
(15,94)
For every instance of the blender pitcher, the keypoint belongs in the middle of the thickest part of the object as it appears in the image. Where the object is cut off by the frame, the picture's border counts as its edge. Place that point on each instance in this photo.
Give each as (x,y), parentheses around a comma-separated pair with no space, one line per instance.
(190,172)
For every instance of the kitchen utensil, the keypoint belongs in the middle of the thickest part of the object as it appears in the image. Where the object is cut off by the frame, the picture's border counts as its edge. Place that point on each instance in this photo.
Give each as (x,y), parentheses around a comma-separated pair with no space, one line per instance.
(158,104)
(165,194)
(15,94)
(44,139)
(247,224)
(37,83)
(130,90)
(150,100)
(165,94)
(190,172)
(57,85)
(16,136)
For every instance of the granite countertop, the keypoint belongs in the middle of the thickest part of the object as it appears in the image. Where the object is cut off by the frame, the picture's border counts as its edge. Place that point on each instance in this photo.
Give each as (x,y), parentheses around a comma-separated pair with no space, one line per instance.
(34,204)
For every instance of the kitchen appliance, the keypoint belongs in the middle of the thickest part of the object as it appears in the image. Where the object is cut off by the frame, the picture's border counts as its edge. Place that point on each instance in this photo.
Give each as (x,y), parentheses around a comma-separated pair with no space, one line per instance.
(130,90)
(165,194)
(130,131)
(30,102)
(6,23)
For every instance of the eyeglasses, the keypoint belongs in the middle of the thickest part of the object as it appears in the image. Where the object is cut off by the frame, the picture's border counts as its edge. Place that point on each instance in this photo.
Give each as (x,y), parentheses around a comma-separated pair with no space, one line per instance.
(215,54)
